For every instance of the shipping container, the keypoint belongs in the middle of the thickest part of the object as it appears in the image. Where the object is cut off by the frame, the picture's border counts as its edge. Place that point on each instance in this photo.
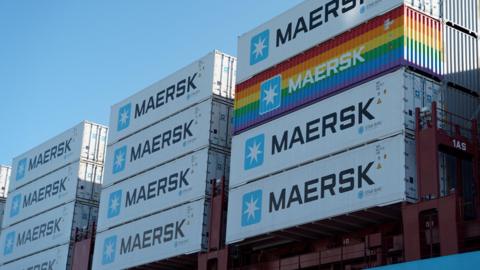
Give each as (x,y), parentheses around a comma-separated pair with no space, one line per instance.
(368,112)
(178,231)
(86,141)
(211,75)
(79,180)
(462,59)
(461,103)
(372,175)
(4,180)
(197,127)
(459,13)
(53,259)
(177,182)
(401,37)
(300,28)
(49,229)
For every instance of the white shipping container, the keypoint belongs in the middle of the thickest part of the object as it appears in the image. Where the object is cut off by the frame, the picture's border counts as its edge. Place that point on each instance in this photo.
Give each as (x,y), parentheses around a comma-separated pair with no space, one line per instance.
(38,233)
(376,109)
(373,175)
(84,141)
(52,259)
(49,229)
(195,128)
(4,180)
(211,75)
(78,180)
(177,182)
(177,231)
(300,28)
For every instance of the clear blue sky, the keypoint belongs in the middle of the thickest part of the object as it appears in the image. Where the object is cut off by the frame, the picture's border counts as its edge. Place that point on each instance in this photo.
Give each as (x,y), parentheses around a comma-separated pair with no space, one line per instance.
(64,61)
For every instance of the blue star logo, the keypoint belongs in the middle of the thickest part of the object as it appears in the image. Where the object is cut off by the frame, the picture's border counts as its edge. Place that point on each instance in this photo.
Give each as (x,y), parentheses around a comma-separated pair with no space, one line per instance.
(259,47)
(254,152)
(109,248)
(15,208)
(124,115)
(21,168)
(270,94)
(114,203)
(252,208)
(119,159)
(9,243)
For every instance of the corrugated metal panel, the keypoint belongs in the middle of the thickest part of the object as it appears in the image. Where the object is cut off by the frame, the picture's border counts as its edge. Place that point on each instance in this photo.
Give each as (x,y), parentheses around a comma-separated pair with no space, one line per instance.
(462,59)
(211,75)
(4,180)
(85,141)
(2,209)
(463,13)
(365,177)
(430,7)
(402,36)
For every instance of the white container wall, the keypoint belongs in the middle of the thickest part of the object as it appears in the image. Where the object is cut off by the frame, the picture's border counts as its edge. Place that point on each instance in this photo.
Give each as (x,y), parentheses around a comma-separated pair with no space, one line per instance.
(177,182)
(177,231)
(52,228)
(300,28)
(379,108)
(211,75)
(52,259)
(84,141)
(4,180)
(462,59)
(38,233)
(369,176)
(59,187)
(180,134)
(463,13)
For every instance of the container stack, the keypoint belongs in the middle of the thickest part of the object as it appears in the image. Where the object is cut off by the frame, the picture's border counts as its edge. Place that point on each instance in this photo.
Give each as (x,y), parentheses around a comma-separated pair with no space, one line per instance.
(165,145)
(54,191)
(4,179)
(324,115)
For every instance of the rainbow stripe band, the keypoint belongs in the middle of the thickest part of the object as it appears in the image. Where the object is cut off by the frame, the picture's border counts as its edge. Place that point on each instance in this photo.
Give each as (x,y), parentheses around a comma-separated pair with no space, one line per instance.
(397,38)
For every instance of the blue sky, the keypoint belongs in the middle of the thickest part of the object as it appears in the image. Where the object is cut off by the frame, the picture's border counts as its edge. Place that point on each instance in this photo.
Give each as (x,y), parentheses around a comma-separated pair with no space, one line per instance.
(64,61)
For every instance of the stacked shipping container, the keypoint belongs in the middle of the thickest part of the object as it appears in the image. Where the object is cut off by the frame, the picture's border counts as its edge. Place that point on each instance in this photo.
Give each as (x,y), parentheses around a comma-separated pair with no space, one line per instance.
(54,190)
(167,142)
(334,112)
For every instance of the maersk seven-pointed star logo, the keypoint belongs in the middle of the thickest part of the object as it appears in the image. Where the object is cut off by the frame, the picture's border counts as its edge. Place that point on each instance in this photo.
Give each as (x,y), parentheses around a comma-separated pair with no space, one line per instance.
(15,208)
(114,202)
(21,167)
(270,94)
(119,159)
(109,248)
(9,242)
(124,116)
(252,208)
(254,152)
(259,47)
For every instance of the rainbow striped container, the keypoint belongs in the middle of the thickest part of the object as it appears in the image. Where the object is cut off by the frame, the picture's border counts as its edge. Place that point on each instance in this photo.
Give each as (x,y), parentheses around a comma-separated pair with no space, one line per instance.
(401,37)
